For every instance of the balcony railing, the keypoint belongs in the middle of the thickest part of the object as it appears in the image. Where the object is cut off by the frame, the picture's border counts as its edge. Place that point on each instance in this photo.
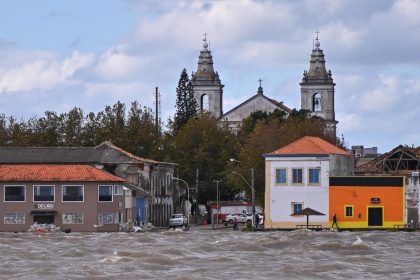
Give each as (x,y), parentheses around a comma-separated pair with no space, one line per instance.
(43,198)
(72,197)
(105,197)
(14,198)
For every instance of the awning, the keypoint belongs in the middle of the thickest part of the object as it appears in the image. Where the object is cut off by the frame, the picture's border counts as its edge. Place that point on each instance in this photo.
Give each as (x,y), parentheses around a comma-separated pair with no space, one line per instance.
(43,213)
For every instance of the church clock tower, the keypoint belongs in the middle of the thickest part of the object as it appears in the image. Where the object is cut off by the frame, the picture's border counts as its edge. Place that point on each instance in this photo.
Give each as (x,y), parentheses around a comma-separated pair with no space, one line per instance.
(206,85)
(317,89)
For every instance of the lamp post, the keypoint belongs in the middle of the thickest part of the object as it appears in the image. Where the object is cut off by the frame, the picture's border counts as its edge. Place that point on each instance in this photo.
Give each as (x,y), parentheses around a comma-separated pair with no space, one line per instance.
(252,191)
(217,200)
(188,196)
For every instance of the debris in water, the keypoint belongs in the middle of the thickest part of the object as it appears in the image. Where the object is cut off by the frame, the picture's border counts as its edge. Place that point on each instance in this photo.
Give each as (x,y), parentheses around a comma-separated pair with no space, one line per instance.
(358,242)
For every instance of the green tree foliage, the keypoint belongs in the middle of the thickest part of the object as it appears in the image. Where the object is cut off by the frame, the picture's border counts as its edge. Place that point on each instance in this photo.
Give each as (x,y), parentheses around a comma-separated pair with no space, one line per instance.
(186,105)
(142,136)
(249,123)
(136,134)
(91,130)
(204,145)
(3,130)
(49,129)
(73,128)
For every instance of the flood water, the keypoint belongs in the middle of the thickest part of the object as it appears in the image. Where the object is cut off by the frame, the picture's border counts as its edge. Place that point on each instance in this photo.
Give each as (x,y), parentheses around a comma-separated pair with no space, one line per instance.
(211,254)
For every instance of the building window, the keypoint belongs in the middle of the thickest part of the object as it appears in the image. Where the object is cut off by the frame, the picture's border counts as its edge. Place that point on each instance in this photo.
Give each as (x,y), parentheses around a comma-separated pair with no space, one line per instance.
(118,190)
(314,175)
(316,103)
(14,218)
(296,207)
(44,193)
(297,175)
(105,193)
(73,193)
(348,211)
(73,218)
(14,193)
(105,218)
(118,218)
(205,103)
(281,177)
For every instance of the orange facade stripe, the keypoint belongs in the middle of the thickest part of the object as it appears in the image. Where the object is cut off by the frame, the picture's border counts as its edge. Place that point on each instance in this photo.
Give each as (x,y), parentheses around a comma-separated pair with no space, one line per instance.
(360,197)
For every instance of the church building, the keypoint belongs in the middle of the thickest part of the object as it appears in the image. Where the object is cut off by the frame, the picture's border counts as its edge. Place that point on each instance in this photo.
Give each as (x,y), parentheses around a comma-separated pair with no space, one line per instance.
(317,92)
(317,89)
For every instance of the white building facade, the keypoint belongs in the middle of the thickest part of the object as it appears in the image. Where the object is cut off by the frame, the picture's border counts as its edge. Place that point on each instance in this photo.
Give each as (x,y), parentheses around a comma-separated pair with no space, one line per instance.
(297,177)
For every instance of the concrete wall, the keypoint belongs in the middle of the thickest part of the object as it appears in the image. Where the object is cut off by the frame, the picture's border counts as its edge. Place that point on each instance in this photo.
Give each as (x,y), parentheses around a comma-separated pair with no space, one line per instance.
(341,165)
(412,200)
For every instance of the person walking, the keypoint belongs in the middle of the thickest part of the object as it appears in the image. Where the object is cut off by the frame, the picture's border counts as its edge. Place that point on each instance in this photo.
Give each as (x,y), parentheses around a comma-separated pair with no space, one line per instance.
(235,224)
(257,220)
(334,221)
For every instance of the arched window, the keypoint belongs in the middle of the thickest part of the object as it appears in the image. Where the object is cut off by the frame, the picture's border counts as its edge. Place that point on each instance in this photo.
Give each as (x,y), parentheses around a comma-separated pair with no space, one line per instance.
(316,103)
(205,103)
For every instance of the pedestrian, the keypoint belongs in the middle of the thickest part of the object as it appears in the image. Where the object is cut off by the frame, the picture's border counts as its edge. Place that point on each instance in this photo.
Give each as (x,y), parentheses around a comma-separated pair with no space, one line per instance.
(334,221)
(235,224)
(257,220)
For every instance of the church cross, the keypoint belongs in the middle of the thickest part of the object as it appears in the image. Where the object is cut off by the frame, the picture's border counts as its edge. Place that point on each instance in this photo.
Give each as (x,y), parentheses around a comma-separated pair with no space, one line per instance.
(260,81)
(205,37)
(317,32)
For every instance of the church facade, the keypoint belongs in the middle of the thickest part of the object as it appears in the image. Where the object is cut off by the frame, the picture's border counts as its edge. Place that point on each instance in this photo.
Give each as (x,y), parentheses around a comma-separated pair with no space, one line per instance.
(316,89)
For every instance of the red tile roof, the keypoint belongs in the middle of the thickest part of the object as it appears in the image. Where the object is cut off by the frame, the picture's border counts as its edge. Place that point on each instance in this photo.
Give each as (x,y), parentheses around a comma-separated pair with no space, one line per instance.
(54,173)
(309,145)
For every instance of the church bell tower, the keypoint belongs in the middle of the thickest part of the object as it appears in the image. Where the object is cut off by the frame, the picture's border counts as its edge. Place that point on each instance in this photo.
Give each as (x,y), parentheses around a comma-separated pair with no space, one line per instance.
(206,85)
(317,89)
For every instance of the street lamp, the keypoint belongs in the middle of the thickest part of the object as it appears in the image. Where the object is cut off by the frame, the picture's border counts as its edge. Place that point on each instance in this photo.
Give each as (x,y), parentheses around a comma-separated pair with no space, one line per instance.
(252,191)
(188,196)
(217,200)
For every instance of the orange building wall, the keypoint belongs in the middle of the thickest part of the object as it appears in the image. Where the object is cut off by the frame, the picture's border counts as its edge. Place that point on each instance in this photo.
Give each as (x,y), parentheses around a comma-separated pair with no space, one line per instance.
(391,199)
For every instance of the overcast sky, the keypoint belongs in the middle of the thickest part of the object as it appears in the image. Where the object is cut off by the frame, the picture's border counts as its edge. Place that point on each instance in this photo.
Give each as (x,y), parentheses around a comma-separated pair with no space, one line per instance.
(55,55)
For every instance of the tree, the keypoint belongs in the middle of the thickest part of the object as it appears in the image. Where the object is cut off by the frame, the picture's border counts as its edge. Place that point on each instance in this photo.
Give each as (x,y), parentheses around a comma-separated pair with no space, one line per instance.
(142,137)
(73,127)
(112,124)
(204,145)
(90,130)
(186,105)
(49,129)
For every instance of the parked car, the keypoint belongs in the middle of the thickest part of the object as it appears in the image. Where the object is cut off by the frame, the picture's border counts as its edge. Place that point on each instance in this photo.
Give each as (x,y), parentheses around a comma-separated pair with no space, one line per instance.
(242,218)
(260,215)
(178,220)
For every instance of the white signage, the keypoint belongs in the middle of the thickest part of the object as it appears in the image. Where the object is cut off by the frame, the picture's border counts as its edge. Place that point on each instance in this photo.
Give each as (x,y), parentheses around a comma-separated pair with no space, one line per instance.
(45,206)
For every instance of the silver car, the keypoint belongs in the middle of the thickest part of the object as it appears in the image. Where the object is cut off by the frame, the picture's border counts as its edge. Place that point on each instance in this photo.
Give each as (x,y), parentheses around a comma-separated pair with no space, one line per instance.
(177,220)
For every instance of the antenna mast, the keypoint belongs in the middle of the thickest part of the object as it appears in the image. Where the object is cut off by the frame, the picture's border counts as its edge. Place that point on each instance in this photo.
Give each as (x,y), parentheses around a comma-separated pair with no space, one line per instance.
(157,103)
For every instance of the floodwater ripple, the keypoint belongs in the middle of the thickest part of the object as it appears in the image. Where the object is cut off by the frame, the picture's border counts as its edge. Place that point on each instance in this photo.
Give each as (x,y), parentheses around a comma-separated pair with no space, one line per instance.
(206,254)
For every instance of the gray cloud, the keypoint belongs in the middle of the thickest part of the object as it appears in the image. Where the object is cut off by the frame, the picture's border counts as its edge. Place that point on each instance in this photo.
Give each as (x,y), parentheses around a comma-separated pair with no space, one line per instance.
(370,46)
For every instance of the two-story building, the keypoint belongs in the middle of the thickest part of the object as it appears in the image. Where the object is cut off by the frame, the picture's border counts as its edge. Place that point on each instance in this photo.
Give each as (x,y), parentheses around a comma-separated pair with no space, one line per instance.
(297,177)
(152,197)
(72,197)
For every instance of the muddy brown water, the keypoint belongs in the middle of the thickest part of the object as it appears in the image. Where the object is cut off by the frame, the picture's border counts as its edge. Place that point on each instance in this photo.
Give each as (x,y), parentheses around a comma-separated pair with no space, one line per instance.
(208,254)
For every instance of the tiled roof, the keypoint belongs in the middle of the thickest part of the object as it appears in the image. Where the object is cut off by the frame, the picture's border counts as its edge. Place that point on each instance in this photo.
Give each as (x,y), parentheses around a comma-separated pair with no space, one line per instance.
(104,153)
(309,145)
(54,173)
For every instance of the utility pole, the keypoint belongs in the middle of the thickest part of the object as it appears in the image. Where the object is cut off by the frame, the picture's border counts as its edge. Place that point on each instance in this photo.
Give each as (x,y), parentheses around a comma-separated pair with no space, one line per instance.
(197,209)
(252,192)
(253,197)
(217,201)
(157,119)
